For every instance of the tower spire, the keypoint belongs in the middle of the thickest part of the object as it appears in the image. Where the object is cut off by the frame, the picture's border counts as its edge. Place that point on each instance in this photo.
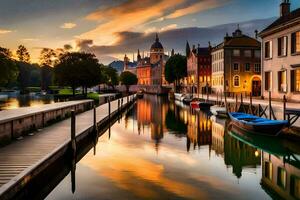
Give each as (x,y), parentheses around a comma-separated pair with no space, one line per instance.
(156,38)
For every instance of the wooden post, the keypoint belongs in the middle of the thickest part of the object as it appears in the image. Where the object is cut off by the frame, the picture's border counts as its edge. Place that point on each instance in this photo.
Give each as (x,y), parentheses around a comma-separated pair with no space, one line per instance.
(109,108)
(118,105)
(270,105)
(236,102)
(73,132)
(217,99)
(221,98)
(284,107)
(251,110)
(226,106)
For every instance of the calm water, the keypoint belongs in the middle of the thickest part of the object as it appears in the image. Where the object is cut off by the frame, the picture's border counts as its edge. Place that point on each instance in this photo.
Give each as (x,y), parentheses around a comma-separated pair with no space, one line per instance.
(161,150)
(17,101)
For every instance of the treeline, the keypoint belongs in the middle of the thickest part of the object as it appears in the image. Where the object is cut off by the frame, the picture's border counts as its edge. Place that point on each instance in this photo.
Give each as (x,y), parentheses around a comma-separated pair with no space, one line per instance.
(59,67)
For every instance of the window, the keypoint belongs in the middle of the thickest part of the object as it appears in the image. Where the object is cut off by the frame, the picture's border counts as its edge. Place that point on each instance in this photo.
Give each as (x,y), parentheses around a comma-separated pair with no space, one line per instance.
(236,81)
(282,46)
(247,53)
(257,67)
(247,67)
(295,40)
(268,81)
(295,187)
(268,49)
(268,170)
(236,66)
(282,86)
(281,177)
(236,52)
(295,80)
(257,54)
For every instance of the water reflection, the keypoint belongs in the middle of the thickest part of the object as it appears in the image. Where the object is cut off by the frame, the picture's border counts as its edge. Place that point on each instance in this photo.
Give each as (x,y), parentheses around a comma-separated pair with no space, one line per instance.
(17,101)
(162,150)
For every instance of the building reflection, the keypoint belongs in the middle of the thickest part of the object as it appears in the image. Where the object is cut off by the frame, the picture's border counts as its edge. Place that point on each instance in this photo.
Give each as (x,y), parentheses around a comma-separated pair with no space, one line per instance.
(281,176)
(218,131)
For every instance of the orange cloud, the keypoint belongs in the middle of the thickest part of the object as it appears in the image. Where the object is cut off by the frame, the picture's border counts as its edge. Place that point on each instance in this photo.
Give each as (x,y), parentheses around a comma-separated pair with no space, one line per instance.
(125,17)
(4,31)
(198,7)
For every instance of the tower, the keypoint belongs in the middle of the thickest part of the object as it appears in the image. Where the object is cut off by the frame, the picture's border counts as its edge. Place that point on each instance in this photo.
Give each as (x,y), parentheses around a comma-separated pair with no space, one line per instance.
(126,62)
(187,49)
(156,51)
(139,56)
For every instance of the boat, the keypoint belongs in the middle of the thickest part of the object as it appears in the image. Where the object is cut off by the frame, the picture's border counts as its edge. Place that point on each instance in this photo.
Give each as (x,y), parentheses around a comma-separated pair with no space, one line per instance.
(140,94)
(179,97)
(219,111)
(188,98)
(197,104)
(257,125)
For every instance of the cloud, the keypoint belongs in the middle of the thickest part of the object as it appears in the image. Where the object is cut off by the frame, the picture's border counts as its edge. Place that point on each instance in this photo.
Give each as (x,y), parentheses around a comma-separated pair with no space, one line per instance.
(30,39)
(129,42)
(68,25)
(5,31)
(169,27)
(195,8)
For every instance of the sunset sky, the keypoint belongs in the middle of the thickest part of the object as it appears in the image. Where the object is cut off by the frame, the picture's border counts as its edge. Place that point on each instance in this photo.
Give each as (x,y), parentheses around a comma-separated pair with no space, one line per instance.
(97,24)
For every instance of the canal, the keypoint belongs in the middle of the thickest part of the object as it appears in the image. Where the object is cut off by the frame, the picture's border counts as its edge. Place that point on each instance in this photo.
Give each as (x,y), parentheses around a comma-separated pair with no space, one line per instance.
(163,150)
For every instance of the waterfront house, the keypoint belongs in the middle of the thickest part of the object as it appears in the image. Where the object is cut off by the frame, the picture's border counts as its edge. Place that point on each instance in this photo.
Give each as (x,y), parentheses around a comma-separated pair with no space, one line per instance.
(281,55)
(198,69)
(236,65)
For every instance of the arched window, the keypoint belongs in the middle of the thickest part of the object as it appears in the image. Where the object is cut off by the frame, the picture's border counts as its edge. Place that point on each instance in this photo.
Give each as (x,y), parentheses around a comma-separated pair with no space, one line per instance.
(236,81)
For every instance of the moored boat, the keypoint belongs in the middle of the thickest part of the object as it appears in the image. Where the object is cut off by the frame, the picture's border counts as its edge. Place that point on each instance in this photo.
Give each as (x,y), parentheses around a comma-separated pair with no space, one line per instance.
(197,104)
(257,125)
(140,94)
(219,111)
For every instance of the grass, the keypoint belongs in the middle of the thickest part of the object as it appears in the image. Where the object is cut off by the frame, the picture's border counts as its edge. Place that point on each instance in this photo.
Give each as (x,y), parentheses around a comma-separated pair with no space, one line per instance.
(67,91)
(33,89)
(94,96)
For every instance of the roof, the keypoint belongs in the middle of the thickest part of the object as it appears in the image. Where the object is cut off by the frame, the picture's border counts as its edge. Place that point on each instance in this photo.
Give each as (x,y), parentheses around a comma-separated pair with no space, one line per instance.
(282,21)
(203,51)
(157,44)
(238,40)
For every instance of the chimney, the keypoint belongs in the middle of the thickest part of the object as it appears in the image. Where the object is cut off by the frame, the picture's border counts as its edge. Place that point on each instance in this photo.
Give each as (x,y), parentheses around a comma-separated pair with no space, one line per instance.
(256,34)
(285,8)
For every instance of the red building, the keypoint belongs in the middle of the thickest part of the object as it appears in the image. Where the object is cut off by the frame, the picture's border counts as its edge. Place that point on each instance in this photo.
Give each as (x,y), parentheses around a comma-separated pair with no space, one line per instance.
(198,69)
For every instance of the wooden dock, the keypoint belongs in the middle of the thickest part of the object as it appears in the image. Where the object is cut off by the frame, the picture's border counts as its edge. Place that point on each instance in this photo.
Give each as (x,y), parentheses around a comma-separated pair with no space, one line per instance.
(19,160)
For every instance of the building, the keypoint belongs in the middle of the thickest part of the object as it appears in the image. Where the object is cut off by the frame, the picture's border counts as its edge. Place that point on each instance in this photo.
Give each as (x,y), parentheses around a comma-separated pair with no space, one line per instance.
(281,55)
(236,65)
(198,69)
(150,70)
(129,66)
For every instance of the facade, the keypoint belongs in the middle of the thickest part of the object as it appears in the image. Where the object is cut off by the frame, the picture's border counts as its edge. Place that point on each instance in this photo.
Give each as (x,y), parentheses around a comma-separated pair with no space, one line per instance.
(236,65)
(198,69)
(281,55)
(150,70)
(129,66)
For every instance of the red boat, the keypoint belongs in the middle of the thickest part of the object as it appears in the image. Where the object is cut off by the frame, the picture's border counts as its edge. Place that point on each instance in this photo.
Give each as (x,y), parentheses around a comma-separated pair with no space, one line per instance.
(197,104)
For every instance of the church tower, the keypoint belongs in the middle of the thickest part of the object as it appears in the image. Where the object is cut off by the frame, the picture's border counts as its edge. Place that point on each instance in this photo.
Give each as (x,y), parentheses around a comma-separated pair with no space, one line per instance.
(156,51)
(126,62)
(139,58)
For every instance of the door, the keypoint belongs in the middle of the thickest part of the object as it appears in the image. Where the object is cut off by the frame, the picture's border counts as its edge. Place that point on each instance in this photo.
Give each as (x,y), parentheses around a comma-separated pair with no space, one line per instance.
(256,87)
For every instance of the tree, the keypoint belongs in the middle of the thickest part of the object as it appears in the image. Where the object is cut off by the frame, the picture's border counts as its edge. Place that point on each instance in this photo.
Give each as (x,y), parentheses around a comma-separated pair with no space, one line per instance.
(127,78)
(77,69)
(47,57)
(23,54)
(8,68)
(175,69)
(109,76)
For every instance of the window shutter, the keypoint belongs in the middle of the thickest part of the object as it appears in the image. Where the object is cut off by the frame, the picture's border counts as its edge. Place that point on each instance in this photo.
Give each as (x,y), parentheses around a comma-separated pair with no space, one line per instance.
(285,46)
(271,49)
(279,46)
(293,43)
(292,80)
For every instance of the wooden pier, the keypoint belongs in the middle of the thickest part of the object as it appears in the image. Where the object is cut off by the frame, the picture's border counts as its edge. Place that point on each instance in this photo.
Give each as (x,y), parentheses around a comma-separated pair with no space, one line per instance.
(23,160)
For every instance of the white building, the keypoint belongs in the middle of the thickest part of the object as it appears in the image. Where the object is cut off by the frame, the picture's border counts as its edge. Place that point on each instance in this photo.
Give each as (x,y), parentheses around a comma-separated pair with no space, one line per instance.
(281,55)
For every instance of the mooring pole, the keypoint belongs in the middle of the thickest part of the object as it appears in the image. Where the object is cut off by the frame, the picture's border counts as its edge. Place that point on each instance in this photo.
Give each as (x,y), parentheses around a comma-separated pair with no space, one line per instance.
(109,108)
(236,102)
(284,107)
(95,121)
(73,129)
(118,105)
(226,106)
(251,111)
(270,105)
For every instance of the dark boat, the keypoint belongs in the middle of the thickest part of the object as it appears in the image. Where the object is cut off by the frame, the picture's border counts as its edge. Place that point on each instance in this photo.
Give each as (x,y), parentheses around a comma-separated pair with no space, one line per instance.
(140,94)
(257,125)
